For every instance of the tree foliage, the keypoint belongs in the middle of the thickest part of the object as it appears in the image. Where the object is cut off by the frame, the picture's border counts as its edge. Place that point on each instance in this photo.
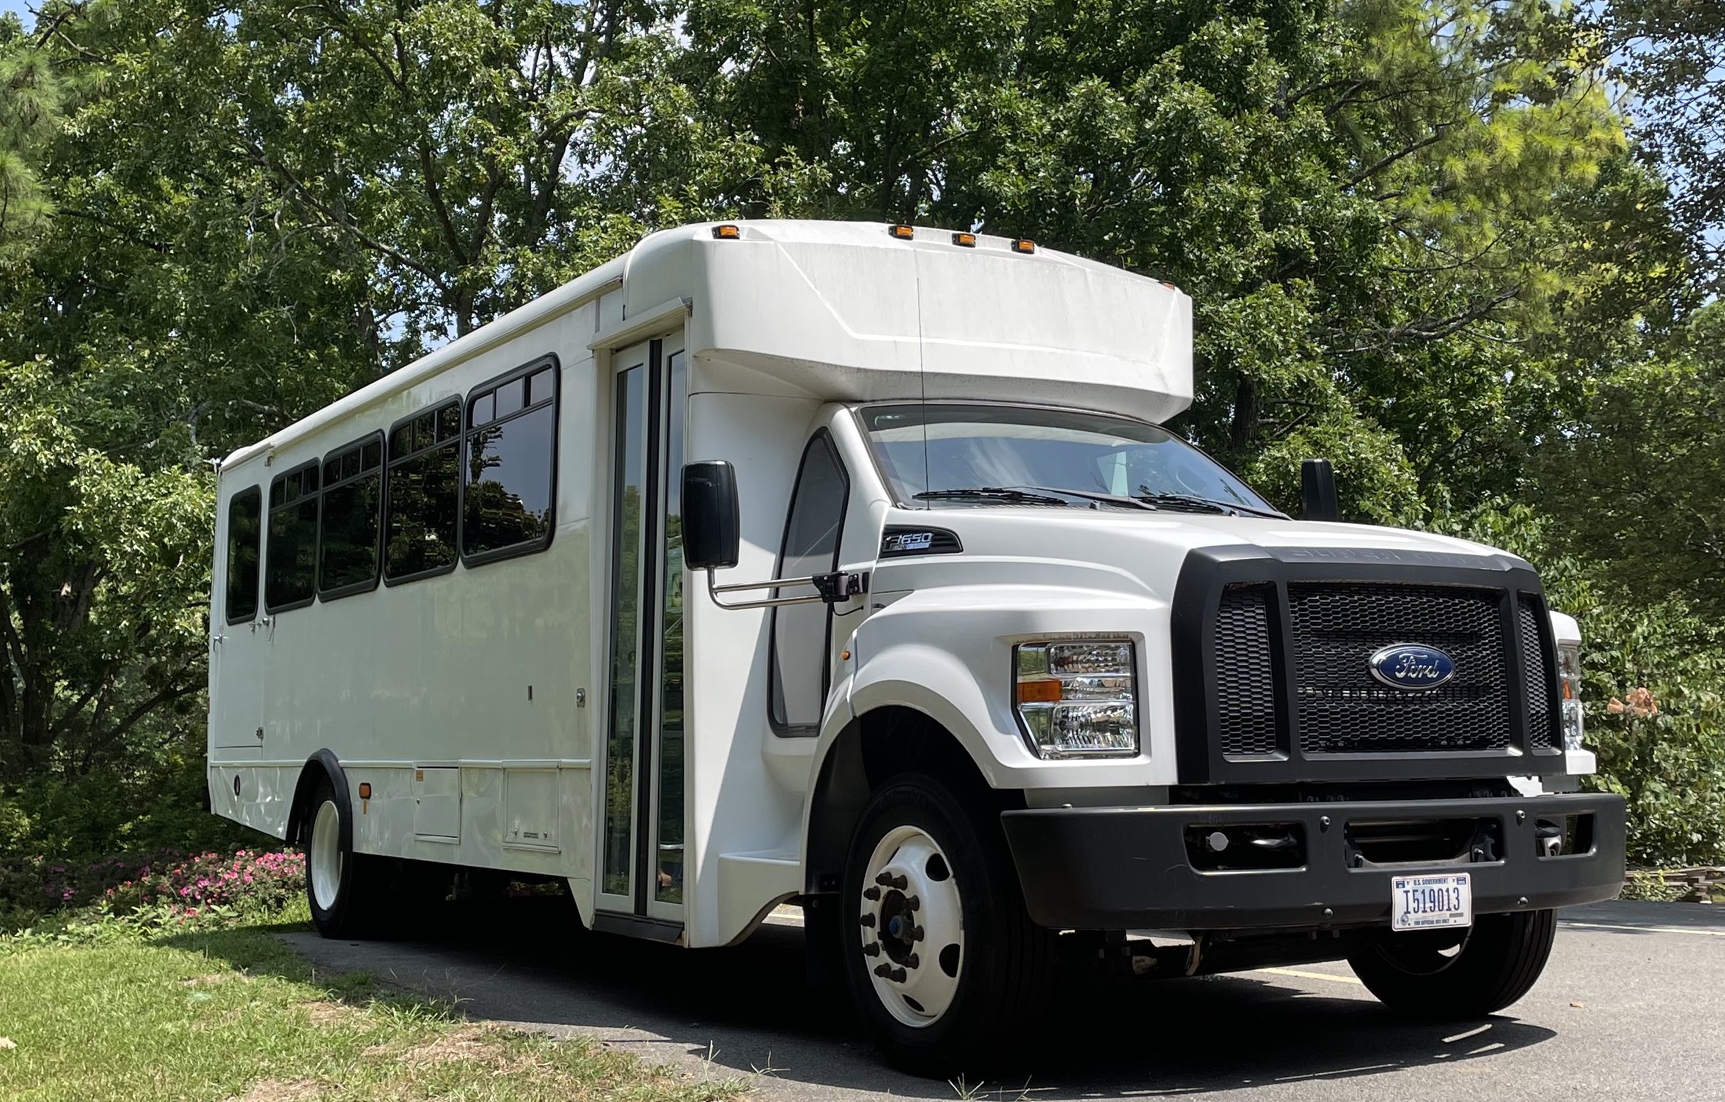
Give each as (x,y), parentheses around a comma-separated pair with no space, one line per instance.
(1670,54)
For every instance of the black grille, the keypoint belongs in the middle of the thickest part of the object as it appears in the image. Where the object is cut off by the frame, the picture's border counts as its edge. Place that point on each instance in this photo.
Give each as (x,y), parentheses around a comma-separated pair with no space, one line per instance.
(1273,681)
(1541,723)
(1345,710)
(1245,681)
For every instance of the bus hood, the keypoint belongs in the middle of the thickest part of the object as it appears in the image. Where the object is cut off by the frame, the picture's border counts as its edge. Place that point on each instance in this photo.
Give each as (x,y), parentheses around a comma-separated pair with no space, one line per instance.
(1139,553)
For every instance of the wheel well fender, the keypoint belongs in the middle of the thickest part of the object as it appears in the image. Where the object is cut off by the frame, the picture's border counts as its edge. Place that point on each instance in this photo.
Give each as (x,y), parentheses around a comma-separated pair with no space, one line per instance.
(866,752)
(324,763)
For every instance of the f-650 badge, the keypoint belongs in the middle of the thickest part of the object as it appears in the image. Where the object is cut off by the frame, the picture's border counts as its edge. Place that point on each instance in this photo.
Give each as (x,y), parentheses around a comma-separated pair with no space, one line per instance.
(1411,666)
(901,542)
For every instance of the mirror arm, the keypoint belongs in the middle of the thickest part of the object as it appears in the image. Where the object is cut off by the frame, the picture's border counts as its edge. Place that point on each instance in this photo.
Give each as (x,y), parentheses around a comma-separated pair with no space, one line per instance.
(714,589)
(833,588)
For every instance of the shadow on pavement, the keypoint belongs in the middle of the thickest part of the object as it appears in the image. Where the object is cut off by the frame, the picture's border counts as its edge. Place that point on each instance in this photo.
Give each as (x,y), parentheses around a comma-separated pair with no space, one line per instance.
(527,962)
(1631,916)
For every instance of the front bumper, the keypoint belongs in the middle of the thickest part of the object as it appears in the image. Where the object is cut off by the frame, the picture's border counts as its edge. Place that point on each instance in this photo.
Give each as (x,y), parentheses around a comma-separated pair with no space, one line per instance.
(1127,868)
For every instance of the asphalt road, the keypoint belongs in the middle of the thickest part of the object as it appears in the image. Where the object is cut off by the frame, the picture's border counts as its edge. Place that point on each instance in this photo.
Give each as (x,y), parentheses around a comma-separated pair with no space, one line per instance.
(1631,1007)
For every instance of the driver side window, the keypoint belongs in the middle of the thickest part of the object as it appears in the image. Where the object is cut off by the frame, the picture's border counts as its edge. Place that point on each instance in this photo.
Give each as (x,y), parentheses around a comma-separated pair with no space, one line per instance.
(801,667)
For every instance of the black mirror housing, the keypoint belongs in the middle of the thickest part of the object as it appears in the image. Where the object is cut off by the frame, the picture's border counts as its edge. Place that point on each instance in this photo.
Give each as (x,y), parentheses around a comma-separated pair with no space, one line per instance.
(711,524)
(1318,490)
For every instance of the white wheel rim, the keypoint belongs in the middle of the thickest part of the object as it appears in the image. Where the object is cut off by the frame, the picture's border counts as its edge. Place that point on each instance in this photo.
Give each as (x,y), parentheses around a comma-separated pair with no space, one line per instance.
(324,860)
(912,927)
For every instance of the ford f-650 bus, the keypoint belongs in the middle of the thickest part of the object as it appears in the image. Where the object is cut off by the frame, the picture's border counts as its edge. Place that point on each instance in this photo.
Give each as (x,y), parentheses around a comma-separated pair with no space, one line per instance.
(848,565)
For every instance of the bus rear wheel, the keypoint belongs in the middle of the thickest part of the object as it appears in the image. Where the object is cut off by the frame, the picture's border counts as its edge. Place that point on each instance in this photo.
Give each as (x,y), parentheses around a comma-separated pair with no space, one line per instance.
(342,887)
(943,963)
(1456,977)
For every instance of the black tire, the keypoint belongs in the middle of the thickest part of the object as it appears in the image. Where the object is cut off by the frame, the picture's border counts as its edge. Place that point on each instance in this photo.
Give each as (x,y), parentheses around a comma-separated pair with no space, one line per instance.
(1423,975)
(1005,964)
(356,905)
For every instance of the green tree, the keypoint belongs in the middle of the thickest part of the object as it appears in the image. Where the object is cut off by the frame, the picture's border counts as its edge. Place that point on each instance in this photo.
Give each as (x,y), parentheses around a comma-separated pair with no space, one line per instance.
(1671,55)
(1375,204)
(1640,479)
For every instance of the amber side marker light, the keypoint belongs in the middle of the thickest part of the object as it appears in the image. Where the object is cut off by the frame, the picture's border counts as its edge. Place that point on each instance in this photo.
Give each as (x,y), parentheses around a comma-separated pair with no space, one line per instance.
(903,233)
(968,240)
(364,791)
(1023,245)
(727,232)
(1040,691)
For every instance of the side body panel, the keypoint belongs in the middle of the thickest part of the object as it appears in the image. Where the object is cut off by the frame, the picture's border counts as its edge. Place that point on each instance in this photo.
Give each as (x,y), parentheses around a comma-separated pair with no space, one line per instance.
(455,696)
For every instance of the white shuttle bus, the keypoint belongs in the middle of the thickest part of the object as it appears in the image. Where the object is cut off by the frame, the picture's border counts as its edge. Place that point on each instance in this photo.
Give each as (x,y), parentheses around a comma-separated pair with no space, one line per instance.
(846,564)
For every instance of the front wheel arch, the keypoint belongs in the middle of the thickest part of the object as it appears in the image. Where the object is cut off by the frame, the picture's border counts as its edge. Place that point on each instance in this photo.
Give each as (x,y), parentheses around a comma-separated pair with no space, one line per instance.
(866,753)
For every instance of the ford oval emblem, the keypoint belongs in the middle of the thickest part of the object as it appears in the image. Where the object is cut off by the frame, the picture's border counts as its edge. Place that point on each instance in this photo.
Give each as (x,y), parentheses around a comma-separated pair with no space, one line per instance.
(1412,666)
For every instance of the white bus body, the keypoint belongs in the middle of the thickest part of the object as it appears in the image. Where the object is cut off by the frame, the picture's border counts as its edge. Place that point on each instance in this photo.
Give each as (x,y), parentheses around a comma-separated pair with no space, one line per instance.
(518,672)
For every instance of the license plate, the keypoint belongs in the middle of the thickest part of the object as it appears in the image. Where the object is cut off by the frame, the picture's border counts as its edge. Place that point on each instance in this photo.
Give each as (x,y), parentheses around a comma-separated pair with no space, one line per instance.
(1429,902)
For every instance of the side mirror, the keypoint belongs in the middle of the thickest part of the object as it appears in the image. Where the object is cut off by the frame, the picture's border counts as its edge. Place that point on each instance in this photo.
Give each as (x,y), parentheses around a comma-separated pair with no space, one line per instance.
(1318,490)
(711,528)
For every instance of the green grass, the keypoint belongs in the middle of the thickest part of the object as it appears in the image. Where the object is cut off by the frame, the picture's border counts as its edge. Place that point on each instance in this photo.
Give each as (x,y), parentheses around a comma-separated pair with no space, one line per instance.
(234,1014)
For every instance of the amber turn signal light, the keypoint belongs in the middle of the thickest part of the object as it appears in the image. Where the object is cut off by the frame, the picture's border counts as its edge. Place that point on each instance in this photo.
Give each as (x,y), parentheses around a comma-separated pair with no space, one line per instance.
(1040,691)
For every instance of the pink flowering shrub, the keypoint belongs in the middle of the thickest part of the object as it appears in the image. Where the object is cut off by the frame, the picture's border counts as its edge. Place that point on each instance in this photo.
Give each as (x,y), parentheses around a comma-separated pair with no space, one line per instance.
(170,884)
(245,881)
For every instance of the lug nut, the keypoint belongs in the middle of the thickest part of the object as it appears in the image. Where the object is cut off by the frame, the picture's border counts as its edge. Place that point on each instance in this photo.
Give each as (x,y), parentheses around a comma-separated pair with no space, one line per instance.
(888,972)
(872,949)
(913,902)
(912,961)
(916,933)
(871,893)
(888,880)
(867,920)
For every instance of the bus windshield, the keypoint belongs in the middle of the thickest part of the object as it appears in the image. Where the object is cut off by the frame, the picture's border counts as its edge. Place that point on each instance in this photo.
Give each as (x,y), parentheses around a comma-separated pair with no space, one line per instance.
(943,453)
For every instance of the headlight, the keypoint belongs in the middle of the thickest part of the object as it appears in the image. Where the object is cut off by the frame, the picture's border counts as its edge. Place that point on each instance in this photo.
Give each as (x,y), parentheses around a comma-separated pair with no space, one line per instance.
(1077,700)
(1569,673)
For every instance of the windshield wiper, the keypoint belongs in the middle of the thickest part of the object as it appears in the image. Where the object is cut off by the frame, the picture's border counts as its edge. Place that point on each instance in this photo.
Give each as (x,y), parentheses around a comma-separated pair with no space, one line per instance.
(994,493)
(1157,499)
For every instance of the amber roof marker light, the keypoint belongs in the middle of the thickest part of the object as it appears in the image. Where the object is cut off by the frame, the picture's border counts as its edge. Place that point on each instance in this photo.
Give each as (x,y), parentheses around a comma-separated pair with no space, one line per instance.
(727,232)
(903,233)
(965,240)
(1023,245)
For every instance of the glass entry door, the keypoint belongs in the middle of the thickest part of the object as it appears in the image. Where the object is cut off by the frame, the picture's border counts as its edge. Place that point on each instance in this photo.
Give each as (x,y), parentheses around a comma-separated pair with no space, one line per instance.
(641,840)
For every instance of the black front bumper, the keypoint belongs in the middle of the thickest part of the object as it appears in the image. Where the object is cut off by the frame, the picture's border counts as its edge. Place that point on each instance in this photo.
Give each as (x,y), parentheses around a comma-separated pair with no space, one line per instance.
(1128,868)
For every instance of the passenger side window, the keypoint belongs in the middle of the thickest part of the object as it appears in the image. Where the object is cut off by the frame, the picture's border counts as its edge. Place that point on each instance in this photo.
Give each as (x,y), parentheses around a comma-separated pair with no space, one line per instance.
(507,503)
(290,566)
(352,503)
(245,511)
(420,509)
(800,670)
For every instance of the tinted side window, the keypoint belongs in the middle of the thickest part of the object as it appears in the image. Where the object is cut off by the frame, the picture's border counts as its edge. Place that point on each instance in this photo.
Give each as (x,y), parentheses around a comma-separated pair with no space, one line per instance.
(511,465)
(245,512)
(420,511)
(801,633)
(352,500)
(290,567)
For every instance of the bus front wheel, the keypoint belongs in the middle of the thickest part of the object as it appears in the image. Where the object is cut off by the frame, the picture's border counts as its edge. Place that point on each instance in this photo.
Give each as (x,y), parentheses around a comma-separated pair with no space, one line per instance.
(942,960)
(1458,976)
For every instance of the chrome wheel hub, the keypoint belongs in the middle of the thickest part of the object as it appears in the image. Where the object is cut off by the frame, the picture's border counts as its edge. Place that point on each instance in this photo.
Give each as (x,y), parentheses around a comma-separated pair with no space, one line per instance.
(912,927)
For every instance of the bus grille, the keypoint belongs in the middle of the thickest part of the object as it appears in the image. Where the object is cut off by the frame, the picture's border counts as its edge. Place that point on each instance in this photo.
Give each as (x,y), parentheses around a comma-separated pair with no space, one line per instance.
(1318,691)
